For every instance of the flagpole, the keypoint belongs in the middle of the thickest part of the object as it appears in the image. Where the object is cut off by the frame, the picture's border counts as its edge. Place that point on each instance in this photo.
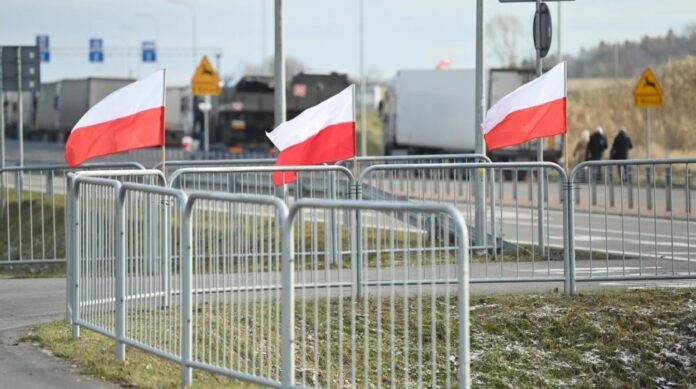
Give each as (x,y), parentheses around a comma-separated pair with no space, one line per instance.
(164,127)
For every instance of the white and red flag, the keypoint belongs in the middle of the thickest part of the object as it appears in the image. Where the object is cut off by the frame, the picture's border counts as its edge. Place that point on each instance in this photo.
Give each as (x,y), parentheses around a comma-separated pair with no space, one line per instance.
(535,110)
(129,118)
(324,133)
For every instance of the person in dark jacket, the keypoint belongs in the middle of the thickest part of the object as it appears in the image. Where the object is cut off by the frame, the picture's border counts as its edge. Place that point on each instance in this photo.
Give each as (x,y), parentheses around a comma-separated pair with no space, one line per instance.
(596,146)
(622,143)
(619,151)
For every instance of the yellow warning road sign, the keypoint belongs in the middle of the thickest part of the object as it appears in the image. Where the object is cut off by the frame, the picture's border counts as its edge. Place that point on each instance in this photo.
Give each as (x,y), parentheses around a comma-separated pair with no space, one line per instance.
(648,92)
(205,81)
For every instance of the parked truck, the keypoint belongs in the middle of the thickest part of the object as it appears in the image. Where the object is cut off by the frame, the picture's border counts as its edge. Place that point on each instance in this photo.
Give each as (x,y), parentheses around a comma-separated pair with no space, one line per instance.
(61,104)
(432,111)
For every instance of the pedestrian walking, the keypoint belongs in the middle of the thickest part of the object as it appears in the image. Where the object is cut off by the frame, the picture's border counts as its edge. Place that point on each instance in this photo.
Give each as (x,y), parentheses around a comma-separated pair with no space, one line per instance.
(619,150)
(621,145)
(595,151)
(596,145)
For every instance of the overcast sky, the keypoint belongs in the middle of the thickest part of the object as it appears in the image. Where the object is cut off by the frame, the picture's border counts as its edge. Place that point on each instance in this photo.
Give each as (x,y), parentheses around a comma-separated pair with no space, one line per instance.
(321,33)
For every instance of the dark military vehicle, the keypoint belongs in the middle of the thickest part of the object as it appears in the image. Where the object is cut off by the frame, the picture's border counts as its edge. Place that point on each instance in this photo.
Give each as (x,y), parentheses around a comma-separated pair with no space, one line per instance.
(246,108)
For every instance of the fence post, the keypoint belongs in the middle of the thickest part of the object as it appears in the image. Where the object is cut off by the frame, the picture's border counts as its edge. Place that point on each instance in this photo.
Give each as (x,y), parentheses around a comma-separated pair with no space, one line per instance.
(648,187)
(75,268)
(629,180)
(356,242)
(610,174)
(687,189)
(69,236)
(287,351)
(569,236)
(668,188)
(330,226)
(187,295)
(120,276)
(594,175)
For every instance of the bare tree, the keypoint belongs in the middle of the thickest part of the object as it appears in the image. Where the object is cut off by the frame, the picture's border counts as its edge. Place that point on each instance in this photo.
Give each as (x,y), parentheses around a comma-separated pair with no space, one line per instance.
(504,33)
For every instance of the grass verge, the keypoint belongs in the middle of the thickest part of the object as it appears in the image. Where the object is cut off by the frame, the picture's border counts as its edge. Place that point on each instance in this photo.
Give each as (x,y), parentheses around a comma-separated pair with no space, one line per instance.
(642,338)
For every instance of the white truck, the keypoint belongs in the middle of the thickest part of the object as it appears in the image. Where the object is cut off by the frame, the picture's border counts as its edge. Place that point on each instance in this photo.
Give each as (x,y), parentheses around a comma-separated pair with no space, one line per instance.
(432,112)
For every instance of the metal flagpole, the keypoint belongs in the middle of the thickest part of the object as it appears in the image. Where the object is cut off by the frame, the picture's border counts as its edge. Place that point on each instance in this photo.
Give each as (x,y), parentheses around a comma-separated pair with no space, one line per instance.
(355,140)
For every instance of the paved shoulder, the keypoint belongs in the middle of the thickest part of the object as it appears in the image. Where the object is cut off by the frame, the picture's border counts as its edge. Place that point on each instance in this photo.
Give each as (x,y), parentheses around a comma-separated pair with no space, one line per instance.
(23,365)
(24,303)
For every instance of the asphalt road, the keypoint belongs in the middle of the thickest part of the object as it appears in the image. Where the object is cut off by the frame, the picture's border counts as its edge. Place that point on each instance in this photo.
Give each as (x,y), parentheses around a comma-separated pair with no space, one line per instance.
(24,303)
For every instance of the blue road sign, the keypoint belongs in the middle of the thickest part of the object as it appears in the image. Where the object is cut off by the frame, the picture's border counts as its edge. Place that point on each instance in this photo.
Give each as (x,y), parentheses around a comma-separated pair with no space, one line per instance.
(44,48)
(96,50)
(149,51)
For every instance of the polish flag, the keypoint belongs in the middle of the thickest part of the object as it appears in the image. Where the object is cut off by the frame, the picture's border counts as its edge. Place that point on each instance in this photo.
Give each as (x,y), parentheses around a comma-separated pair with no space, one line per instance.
(535,110)
(129,118)
(324,133)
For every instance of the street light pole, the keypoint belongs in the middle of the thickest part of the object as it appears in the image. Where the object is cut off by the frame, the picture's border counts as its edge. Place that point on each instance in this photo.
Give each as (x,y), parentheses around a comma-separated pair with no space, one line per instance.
(363,86)
(279,89)
(480,100)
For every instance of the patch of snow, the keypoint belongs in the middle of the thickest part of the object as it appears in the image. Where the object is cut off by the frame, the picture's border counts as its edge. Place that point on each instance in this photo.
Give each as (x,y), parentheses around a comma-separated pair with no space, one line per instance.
(592,357)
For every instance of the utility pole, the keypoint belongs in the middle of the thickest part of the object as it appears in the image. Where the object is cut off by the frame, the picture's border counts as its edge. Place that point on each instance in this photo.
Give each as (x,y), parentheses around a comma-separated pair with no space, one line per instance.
(279,78)
(363,103)
(540,149)
(480,100)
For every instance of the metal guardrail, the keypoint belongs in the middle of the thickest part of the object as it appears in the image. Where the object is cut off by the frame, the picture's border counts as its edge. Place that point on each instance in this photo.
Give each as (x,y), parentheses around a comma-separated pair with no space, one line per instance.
(32,211)
(232,256)
(632,219)
(520,245)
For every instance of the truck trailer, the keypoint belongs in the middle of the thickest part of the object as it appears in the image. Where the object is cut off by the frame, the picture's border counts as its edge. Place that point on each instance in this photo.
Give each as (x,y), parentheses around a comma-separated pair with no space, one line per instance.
(433,112)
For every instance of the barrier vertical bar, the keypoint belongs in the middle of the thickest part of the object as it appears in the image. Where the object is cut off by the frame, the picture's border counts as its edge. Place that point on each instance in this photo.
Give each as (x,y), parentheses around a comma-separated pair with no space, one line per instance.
(120,276)
(187,295)
(69,237)
(569,236)
(75,262)
(668,188)
(629,180)
(288,306)
(356,242)
(612,200)
(687,189)
(648,187)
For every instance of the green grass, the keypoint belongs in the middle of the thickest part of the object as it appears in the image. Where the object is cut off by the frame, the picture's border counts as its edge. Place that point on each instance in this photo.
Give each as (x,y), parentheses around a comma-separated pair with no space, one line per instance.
(33,228)
(640,338)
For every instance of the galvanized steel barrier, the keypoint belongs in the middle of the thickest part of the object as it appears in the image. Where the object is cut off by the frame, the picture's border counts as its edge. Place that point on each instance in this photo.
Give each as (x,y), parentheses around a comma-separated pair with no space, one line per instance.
(32,208)
(213,281)
(632,220)
(513,250)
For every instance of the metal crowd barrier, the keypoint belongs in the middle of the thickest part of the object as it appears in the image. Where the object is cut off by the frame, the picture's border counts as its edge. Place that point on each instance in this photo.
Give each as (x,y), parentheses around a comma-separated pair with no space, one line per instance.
(632,220)
(326,182)
(32,211)
(524,239)
(214,281)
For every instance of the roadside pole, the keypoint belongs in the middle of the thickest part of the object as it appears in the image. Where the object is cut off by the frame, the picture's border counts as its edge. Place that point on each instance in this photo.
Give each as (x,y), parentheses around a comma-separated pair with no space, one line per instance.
(2,116)
(279,76)
(479,187)
(206,121)
(540,148)
(648,130)
(20,127)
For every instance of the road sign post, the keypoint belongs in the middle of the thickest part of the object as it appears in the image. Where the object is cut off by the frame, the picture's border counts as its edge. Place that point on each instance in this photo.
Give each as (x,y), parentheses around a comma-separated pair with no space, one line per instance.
(206,83)
(648,94)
